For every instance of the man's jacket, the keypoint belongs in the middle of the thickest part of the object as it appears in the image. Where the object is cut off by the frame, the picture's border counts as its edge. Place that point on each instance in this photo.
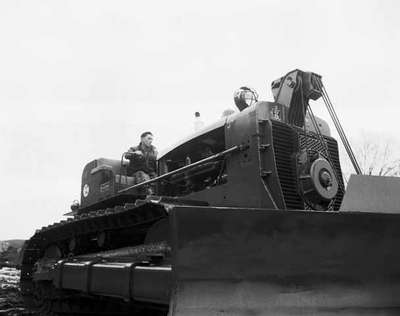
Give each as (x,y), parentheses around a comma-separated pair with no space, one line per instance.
(146,162)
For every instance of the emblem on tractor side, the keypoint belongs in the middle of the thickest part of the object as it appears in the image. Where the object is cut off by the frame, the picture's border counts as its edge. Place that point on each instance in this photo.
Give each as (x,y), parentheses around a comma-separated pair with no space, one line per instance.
(276,113)
(85,190)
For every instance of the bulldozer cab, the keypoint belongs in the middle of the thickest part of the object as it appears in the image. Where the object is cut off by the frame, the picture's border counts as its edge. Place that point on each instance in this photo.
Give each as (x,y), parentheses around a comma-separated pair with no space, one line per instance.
(101,180)
(98,180)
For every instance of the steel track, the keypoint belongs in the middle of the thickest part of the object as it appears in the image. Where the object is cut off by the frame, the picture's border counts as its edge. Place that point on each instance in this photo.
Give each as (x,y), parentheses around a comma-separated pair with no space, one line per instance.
(135,220)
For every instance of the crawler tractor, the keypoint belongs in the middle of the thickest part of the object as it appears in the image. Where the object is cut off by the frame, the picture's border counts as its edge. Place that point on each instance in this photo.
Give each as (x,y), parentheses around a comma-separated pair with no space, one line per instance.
(247,216)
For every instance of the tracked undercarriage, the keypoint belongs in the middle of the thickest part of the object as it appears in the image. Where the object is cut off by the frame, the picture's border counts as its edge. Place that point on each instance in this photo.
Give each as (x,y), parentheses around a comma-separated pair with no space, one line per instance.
(86,239)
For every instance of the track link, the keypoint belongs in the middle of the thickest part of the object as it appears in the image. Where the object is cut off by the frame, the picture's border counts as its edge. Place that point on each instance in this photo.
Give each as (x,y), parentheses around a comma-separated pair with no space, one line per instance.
(128,219)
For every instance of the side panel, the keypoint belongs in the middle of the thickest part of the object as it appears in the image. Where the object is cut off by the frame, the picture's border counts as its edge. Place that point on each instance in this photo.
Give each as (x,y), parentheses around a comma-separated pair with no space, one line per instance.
(252,178)
(261,262)
(243,168)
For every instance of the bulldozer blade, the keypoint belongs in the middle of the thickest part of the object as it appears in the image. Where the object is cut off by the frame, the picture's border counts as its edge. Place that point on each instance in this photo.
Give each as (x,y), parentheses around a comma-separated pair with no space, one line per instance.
(231,261)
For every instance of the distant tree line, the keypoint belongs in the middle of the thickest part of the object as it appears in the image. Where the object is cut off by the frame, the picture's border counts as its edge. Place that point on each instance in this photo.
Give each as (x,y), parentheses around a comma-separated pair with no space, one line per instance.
(377,156)
(9,252)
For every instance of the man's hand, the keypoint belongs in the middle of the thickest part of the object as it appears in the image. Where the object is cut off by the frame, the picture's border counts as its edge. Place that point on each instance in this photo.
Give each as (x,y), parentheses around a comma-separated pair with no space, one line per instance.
(131,154)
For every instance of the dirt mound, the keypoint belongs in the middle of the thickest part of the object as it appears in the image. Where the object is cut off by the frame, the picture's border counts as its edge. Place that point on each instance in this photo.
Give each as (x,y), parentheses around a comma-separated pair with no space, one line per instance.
(10,296)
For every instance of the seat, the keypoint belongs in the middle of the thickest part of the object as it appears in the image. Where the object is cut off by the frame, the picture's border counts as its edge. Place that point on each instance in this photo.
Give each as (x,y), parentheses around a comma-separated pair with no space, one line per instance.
(124,180)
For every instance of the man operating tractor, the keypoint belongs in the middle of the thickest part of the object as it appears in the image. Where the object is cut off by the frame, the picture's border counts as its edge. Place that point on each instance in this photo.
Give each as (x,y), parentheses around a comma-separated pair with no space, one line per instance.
(143,159)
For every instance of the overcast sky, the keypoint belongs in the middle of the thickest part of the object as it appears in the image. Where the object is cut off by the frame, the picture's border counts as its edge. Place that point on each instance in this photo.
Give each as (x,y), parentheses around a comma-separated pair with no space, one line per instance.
(82,79)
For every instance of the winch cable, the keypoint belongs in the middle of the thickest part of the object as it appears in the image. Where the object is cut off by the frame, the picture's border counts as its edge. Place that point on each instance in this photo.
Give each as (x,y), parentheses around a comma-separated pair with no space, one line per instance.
(338,126)
(348,147)
(307,108)
(305,105)
(304,108)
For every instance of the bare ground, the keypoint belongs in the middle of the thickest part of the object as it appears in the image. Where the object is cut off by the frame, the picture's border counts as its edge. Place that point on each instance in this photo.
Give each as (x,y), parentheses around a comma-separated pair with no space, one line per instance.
(10,296)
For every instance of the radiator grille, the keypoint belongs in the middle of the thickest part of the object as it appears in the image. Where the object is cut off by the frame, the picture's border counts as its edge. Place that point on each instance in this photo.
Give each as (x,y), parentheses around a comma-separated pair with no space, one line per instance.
(285,147)
(287,142)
